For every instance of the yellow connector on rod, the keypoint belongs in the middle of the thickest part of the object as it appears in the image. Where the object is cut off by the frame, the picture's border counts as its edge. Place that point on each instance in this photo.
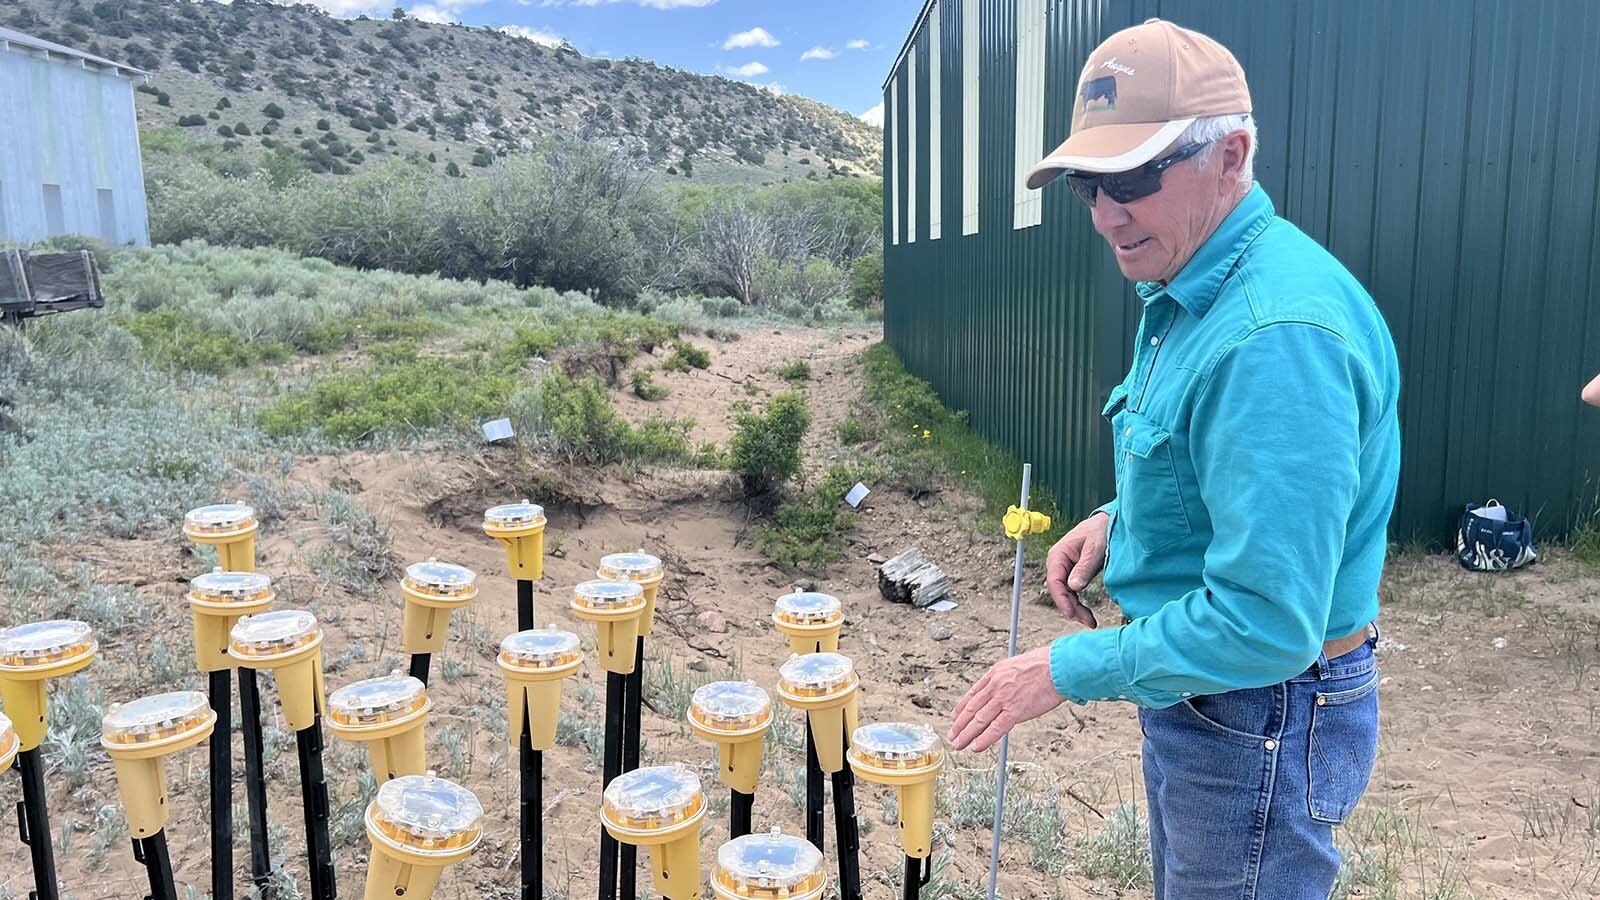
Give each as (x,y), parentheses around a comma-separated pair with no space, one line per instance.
(387,714)
(31,655)
(534,664)
(520,527)
(139,736)
(1019,523)
(418,825)
(908,757)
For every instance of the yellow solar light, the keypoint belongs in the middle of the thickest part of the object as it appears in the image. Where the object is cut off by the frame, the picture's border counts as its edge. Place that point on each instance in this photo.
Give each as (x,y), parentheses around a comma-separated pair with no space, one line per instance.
(288,642)
(387,714)
(908,757)
(138,736)
(231,528)
(615,608)
(418,825)
(535,663)
(772,866)
(520,527)
(217,600)
(642,568)
(823,686)
(433,590)
(8,743)
(735,715)
(811,621)
(30,655)
(660,808)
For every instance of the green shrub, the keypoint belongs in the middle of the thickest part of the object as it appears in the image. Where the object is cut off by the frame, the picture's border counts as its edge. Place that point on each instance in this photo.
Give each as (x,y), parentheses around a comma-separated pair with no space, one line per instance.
(645,388)
(765,448)
(172,340)
(581,418)
(191,120)
(660,440)
(850,432)
(798,370)
(272,111)
(866,279)
(807,532)
(686,356)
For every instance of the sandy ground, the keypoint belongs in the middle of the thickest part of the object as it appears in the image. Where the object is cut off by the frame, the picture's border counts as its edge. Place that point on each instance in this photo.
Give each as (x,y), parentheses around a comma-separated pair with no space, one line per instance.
(1489,778)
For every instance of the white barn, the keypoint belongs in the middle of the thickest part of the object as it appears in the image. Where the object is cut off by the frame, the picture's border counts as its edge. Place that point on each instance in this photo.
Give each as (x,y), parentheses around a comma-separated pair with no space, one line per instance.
(69,145)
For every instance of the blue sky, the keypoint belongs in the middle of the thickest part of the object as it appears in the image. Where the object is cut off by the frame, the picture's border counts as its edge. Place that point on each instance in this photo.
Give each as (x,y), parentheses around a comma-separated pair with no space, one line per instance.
(835,51)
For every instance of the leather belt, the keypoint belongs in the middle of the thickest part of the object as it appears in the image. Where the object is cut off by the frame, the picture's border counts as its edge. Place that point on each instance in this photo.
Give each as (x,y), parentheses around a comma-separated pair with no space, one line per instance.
(1336,648)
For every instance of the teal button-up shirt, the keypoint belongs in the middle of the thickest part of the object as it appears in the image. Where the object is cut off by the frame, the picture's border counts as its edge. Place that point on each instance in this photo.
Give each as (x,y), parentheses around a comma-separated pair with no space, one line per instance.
(1257,452)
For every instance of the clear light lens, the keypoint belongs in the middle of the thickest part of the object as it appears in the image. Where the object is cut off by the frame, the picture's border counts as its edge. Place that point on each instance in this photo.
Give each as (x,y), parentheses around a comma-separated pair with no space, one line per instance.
(730,706)
(514,515)
(376,700)
(218,518)
(273,633)
(540,648)
(155,718)
(769,867)
(218,586)
(809,608)
(654,798)
(441,578)
(816,674)
(897,745)
(630,567)
(44,643)
(427,814)
(608,596)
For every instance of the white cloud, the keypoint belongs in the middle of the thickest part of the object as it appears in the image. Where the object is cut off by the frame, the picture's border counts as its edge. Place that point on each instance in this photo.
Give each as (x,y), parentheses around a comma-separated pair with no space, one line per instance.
(748,70)
(652,4)
(774,88)
(350,7)
(873,116)
(755,37)
(427,12)
(817,53)
(858,44)
(542,36)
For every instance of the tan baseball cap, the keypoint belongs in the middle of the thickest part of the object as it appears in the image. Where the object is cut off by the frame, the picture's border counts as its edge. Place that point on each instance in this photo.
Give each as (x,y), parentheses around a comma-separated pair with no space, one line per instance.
(1139,90)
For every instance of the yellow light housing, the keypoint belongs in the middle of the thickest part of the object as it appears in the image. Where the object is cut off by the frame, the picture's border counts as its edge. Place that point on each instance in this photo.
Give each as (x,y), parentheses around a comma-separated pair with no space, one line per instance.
(615,608)
(520,527)
(9,745)
(660,807)
(535,663)
(638,567)
(433,590)
(735,715)
(138,736)
(908,757)
(811,621)
(288,642)
(823,685)
(387,714)
(231,528)
(772,866)
(217,600)
(418,825)
(32,654)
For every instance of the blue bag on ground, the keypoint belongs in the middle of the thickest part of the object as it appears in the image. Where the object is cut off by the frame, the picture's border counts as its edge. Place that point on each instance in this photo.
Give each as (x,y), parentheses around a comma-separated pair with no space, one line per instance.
(1492,538)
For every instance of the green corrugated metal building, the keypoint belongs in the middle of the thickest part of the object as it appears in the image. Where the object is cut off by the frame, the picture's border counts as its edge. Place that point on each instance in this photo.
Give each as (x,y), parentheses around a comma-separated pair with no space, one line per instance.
(1447,152)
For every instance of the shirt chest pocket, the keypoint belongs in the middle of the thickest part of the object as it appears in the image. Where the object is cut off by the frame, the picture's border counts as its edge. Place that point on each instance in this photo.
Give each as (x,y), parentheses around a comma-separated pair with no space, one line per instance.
(1148,497)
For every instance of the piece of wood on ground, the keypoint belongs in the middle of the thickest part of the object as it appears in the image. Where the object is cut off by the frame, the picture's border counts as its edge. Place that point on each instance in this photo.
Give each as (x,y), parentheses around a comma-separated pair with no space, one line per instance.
(911,578)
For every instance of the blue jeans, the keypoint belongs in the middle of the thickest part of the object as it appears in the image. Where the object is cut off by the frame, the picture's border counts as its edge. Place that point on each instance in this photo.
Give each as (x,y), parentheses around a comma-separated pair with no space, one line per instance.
(1244,788)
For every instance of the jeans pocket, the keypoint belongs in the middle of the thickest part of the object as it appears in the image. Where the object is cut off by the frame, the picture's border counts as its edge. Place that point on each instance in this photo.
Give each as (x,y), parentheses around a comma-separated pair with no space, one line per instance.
(1342,748)
(1247,716)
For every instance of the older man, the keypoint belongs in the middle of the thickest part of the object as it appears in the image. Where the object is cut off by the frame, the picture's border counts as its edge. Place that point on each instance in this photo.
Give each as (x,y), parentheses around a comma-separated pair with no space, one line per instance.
(1257,451)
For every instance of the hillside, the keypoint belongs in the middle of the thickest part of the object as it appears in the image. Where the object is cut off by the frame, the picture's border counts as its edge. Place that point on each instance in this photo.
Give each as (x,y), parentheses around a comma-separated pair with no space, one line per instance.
(342,94)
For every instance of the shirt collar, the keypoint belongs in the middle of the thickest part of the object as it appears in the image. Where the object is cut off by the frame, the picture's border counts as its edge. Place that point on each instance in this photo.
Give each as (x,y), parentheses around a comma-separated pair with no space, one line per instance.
(1196,285)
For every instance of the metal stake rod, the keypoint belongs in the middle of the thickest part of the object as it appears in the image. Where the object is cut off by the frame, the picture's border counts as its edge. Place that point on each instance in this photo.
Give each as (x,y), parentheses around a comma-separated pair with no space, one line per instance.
(419,667)
(532,765)
(1011,650)
(221,747)
(255,785)
(616,684)
(33,820)
(152,851)
(846,830)
(917,874)
(524,604)
(314,791)
(633,701)
(741,808)
(815,821)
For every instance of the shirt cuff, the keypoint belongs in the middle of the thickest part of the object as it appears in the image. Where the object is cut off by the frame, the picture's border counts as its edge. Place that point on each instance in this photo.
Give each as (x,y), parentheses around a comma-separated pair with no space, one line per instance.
(1087,665)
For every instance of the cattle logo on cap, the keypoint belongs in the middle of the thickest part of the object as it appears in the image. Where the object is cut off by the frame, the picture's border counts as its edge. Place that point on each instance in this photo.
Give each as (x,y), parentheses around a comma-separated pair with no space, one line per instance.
(1102,88)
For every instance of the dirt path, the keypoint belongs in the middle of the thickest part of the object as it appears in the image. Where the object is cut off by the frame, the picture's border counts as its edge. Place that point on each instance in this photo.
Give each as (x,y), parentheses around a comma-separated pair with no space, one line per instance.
(1489,778)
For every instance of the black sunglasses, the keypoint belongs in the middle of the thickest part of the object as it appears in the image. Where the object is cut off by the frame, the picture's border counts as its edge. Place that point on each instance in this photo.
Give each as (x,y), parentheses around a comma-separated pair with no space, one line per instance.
(1134,184)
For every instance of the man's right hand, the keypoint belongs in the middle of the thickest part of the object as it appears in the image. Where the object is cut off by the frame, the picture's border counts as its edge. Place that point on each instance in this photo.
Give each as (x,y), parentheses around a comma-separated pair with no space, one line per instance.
(1074,562)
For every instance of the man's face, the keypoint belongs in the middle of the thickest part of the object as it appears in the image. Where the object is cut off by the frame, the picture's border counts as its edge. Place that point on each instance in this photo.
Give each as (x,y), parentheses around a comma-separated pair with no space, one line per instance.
(1155,236)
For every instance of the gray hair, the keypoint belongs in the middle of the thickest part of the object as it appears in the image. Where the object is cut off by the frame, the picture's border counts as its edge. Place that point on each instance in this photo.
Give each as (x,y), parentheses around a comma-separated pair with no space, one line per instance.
(1206,129)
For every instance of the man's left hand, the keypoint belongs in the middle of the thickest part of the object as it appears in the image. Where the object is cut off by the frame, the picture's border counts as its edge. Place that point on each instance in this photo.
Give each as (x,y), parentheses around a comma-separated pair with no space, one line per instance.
(1014,691)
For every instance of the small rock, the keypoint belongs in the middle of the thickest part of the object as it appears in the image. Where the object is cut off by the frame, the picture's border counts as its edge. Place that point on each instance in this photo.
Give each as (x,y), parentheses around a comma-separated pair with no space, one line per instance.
(1498,643)
(939,632)
(712,621)
(922,701)
(877,559)
(699,665)
(1427,687)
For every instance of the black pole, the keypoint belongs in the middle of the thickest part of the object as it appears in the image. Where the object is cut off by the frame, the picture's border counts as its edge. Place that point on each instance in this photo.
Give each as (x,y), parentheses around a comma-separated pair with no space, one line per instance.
(740,809)
(221,747)
(814,812)
(847,835)
(524,604)
(314,794)
(634,694)
(616,684)
(33,822)
(152,851)
(917,874)
(532,764)
(255,785)
(419,667)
